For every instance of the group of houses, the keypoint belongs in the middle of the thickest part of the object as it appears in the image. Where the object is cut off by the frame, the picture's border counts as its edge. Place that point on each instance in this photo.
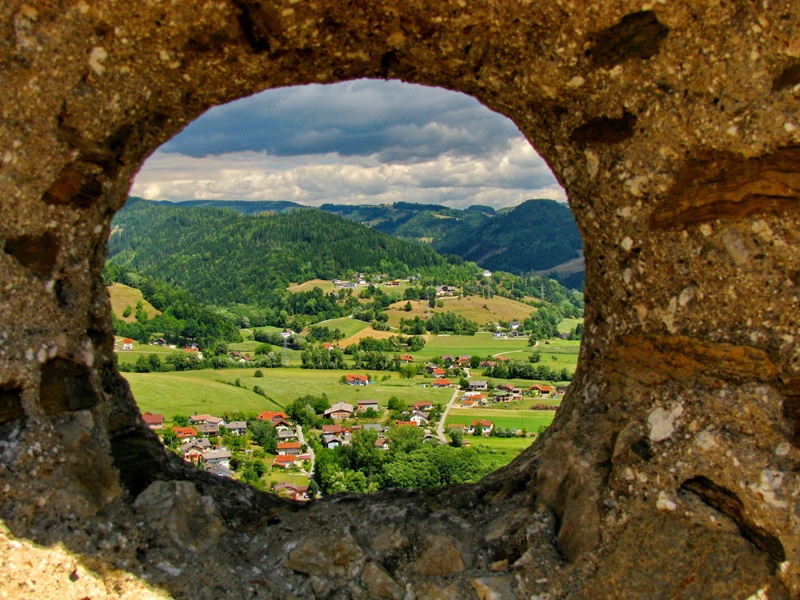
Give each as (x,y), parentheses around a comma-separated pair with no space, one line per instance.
(477,427)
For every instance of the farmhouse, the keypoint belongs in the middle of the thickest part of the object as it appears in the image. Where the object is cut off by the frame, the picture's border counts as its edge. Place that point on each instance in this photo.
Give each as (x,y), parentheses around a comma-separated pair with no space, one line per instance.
(406,358)
(153,421)
(440,383)
(340,410)
(284,461)
(127,344)
(364,405)
(269,415)
(423,405)
(357,380)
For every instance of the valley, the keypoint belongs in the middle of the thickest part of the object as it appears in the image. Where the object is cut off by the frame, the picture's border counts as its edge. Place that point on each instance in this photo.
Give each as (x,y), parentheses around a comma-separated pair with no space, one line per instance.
(425,331)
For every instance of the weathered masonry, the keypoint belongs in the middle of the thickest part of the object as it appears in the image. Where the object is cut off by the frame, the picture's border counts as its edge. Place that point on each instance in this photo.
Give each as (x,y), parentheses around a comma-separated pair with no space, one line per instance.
(673,467)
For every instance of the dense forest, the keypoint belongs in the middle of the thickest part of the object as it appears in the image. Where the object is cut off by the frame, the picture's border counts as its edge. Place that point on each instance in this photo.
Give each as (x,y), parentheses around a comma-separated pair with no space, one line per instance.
(223,257)
(537,235)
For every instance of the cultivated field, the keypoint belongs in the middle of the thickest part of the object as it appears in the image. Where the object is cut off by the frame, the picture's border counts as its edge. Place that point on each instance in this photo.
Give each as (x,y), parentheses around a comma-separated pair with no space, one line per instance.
(475,308)
(122,296)
(348,326)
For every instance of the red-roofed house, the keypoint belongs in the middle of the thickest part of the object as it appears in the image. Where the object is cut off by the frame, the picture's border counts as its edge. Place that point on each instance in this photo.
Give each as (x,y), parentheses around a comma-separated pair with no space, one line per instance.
(486,427)
(357,380)
(269,415)
(153,421)
(540,389)
(289,448)
(127,344)
(434,370)
(501,358)
(423,405)
(184,432)
(441,383)
(406,358)
(406,424)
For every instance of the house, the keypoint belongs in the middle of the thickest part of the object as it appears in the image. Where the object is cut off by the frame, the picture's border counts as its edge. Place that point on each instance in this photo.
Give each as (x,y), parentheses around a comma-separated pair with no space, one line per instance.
(406,358)
(159,342)
(478,386)
(501,358)
(206,418)
(208,429)
(194,351)
(540,390)
(357,380)
(406,424)
(507,387)
(429,438)
(459,426)
(218,458)
(153,421)
(440,383)
(500,335)
(183,433)
(289,448)
(333,442)
(220,471)
(423,405)
(285,434)
(434,370)
(285,461)
(468,401)
(382,443)
(561,389)
(298,493)
(488,364)
(486,427)
(237,427)
(464,361)
(487,273)
(419,417)
(332,430)
(278,422)
(339,411)
(269,415)
(193,451)
(364,405)
(127,344)
(447,358)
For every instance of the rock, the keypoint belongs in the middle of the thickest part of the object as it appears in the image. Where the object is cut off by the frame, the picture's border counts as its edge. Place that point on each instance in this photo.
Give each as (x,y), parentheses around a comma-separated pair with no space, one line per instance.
(336,554)
(493,588)
(379,583)
(431,591)
(440,557)
(177,509)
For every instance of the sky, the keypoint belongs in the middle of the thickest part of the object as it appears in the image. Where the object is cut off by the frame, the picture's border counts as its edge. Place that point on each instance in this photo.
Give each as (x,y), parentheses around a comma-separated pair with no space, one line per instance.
(357,142)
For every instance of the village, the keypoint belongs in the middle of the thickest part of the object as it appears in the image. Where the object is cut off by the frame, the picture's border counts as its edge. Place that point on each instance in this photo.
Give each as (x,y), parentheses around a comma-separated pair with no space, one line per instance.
(276,452)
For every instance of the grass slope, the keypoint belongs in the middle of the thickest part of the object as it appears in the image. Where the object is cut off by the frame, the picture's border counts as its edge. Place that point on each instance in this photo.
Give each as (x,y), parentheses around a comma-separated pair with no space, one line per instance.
(346,325)
(122,296)
(503,417)
(475,308)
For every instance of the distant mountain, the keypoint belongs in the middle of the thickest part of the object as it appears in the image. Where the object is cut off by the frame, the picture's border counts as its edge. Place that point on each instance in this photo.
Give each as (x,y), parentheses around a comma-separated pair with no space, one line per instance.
(223,257)
(537,235)
(246,207)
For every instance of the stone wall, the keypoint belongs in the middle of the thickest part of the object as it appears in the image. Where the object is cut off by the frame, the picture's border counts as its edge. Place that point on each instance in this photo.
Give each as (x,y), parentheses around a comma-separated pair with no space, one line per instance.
(672,467)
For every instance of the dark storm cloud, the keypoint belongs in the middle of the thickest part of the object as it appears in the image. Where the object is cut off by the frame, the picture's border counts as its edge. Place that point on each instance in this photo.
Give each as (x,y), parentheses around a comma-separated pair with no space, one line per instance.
(396,122)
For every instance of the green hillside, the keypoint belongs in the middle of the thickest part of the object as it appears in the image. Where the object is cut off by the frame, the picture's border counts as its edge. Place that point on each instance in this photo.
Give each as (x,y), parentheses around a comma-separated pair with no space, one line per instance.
(223,257)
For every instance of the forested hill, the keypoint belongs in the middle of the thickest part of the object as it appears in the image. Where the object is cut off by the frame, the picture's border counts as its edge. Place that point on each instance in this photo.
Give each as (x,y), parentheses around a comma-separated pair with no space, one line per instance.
(537,235)
(223,257)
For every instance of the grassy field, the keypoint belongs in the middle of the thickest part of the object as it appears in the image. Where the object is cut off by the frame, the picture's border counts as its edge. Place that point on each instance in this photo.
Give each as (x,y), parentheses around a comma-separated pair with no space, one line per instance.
(568,324)
(496,452)
(207,391)
(474,308)
(480,344)
(326,285)
(346,325)
(509,418)
(122,296)
(192,392)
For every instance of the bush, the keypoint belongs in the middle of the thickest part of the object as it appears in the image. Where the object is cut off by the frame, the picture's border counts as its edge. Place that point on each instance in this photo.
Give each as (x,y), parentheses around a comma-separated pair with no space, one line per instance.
(258,373)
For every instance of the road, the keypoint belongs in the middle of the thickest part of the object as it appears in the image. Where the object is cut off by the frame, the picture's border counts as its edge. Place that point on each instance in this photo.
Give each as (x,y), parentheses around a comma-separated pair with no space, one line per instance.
(301,438)
(440,426)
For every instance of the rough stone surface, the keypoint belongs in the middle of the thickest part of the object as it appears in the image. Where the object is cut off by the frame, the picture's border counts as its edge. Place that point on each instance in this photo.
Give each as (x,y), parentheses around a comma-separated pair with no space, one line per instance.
(674,128)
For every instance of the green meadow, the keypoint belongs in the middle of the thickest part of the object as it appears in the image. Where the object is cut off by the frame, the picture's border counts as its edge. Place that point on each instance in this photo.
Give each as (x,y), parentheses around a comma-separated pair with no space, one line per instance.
(502,417)
(209,390)
(496,452)
(346,325)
